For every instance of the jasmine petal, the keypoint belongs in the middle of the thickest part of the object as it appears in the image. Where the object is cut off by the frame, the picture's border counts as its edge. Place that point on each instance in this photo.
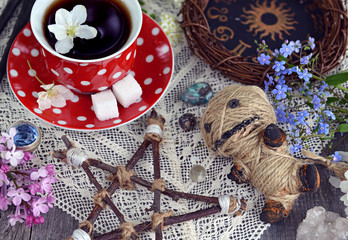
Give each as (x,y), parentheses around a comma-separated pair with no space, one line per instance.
(59,31)
(65,45)
(79,15)
(86,32)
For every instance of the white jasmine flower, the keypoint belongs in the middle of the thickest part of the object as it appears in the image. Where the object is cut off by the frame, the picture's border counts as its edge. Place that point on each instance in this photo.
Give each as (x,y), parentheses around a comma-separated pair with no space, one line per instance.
(171,28)
(55,96)
(68,26)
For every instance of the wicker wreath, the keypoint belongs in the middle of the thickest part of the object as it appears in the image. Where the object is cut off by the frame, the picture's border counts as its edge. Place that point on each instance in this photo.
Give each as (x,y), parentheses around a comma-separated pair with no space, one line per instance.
(331,47)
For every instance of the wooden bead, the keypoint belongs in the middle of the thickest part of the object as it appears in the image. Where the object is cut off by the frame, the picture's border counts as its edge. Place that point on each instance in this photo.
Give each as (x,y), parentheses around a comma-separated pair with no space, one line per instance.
(273,136)
(237,174)
(273,211)
(309,178)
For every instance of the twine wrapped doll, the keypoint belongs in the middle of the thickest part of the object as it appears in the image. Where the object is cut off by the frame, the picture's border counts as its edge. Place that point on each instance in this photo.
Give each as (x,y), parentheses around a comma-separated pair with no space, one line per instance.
(239,123)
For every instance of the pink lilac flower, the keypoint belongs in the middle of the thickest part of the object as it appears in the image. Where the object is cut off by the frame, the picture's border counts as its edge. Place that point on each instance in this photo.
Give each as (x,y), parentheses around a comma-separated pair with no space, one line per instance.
(46,184)
(14,218)
(3,178)
(18,195)
(4,203)
(50,200)
(5,168)
(38,220)
(39,206)
(41,172)
(35,188)
(29,220)
(9,137)
(28,156)
(14,157)
(50,169)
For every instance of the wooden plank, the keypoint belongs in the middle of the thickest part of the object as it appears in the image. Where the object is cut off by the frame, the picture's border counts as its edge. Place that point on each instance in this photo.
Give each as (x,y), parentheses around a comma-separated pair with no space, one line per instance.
(58,225)
(17,232)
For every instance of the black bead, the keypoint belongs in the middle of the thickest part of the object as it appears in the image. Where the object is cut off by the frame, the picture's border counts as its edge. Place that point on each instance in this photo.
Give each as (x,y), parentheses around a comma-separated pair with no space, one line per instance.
(233,103)
(207,127)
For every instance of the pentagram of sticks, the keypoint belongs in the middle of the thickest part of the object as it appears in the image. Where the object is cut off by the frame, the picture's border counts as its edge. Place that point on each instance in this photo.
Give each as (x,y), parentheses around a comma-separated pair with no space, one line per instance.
(123,177)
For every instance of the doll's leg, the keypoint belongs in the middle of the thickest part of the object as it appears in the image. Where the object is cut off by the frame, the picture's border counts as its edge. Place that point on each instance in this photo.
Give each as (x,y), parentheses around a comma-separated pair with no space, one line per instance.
(237,174)
(273,211)
(309,178)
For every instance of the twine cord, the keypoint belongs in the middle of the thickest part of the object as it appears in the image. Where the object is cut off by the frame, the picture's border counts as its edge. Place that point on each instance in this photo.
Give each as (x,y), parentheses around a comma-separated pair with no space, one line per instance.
(99,198)
(158,218)
(79,234)
(158,184)
(87,224)
(123,176)
(127,231)
(76,156)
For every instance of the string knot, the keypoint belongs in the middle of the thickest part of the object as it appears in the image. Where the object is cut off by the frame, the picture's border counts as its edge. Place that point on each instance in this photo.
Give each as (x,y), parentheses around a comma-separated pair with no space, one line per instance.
(76,156)
(158,184)
(158,218)
(127,231)
(123,175)
(99,198)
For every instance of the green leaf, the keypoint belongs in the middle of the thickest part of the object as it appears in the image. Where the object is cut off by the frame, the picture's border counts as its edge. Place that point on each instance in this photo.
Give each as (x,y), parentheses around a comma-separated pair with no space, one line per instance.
(144,10)
(343,128)
(282,58)
(153,16)
(310,105)
(331,100)
(337,79)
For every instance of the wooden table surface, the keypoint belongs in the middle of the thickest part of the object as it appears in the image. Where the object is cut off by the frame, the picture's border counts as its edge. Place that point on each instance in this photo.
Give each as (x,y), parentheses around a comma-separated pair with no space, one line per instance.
(60,225)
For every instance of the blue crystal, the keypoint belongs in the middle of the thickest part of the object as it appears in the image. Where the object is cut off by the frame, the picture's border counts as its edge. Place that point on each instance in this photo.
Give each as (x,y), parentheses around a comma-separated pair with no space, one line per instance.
(26,135)
(198,93)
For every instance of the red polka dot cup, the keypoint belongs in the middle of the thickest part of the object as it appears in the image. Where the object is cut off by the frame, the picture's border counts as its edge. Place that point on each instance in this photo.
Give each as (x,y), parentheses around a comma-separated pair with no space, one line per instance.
(92,75)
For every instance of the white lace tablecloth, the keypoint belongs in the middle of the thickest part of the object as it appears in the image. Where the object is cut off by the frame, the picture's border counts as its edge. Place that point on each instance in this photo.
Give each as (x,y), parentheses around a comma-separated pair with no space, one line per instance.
(74,193)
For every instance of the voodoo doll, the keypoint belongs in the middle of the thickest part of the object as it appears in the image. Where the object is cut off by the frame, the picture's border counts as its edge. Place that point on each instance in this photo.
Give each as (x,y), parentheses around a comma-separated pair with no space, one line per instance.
(240,123)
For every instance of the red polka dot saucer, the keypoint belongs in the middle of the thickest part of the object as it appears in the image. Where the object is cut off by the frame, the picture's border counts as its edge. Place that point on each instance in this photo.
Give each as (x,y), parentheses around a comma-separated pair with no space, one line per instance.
(153,69)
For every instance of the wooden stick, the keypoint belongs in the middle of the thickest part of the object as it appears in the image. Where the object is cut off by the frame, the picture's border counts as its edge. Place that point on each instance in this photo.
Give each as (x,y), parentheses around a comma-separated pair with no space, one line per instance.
(100,188)
(157,192)
(116,234)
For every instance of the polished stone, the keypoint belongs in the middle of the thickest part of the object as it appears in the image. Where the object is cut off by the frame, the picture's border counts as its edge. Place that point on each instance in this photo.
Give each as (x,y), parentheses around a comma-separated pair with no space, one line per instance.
(26,135)
(187,122)
(198,173)
(198,93)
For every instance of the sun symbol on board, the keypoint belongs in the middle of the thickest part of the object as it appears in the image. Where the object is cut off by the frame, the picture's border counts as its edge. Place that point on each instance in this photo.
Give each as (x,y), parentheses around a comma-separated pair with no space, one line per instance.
(269,20)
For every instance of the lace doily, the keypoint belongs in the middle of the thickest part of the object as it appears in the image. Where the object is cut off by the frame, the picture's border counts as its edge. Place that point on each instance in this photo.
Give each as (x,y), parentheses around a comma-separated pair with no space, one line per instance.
(179,152)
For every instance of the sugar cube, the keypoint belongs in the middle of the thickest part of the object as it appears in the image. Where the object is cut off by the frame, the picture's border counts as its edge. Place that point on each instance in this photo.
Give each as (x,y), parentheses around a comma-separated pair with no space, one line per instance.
(105,105)
(127,91)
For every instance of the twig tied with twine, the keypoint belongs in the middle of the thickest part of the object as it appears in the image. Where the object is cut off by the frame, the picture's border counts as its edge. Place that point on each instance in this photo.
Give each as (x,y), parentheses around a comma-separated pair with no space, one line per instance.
(122,176)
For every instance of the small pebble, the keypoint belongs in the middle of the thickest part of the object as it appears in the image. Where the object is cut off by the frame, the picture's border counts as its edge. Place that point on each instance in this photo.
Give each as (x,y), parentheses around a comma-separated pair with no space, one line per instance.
(187,122)
(198,93)
(198,173)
